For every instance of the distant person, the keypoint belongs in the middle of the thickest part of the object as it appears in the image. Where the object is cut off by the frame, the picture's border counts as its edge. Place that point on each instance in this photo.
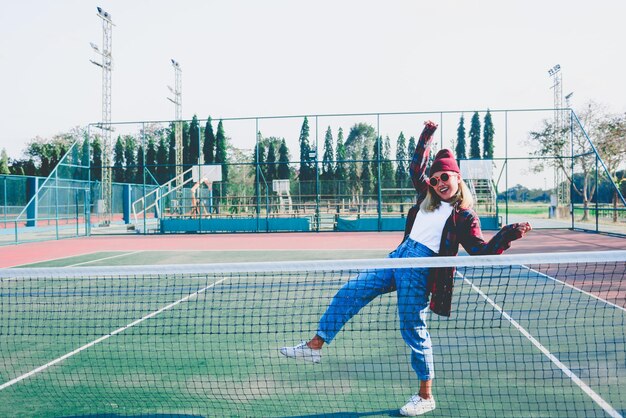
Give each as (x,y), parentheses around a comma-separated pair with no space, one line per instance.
(441,220)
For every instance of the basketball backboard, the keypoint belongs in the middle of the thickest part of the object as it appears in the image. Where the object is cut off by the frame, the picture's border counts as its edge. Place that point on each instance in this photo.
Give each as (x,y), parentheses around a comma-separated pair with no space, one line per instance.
(280,186)
(210,172)
(477,169)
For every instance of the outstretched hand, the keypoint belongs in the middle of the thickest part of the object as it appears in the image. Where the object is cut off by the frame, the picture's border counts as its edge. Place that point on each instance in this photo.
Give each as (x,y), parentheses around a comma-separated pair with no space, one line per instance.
(430,124)
(518,230)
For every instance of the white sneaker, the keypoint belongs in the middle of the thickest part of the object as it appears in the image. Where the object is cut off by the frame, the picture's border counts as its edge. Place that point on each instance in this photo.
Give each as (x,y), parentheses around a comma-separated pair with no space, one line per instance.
(302,351)
(417,406)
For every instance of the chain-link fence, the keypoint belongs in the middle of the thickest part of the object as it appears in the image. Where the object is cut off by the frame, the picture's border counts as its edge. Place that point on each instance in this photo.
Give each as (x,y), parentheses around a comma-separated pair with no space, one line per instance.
(319,173)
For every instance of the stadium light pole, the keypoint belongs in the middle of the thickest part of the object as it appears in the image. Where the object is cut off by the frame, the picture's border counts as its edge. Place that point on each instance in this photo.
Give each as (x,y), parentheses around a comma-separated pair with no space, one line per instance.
(178,125)
(106,64)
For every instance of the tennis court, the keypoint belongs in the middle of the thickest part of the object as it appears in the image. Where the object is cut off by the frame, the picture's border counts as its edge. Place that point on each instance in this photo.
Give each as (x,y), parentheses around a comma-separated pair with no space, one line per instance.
(540,339)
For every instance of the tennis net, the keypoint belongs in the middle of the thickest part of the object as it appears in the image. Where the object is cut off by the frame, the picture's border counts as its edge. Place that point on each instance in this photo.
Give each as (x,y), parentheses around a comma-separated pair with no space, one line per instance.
(529,335)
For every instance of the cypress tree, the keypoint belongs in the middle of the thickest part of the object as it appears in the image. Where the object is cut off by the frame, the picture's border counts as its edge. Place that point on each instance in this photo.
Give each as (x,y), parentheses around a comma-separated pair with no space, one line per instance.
(187,157)
(283,172)
(329,157)
(162,168)
(209,142)
(366,173)
(259,160)
(377,160)
(271,162)
(96,161)
(221,156)
(130,146)
(411,149)
(341,170)
(353,175)
(85,152)
(401,163)
(140,165)
(387,174)
(194,141)
(118,161)
(474,135)
(306,168)
(150,161)
(171,155)
(460,148)
(488,133)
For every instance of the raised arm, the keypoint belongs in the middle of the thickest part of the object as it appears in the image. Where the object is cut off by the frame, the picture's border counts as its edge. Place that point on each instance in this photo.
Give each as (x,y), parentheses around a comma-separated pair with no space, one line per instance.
(420,159)
(474,243)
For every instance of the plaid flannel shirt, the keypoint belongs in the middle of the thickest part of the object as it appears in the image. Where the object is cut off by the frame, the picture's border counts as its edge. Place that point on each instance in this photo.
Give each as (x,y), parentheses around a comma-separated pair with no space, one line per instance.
(462,227)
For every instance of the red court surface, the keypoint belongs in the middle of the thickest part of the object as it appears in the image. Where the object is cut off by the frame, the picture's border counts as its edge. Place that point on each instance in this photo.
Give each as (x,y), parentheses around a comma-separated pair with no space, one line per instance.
(539,241)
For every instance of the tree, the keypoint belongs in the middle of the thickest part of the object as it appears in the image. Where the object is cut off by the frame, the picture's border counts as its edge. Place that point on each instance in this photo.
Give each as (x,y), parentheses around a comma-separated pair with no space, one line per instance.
(4,162)
(85,151)
(171,155)
(141,166)
(488,133)
(209,142)
(341,169)
(49,152)
(376,167)
(130,150)
(361,135)
(460,148)
(382,164)
(353,177)
(221,155)
(386,168)
(401,161)
(260,172)
(271,161)
(161,156)
(23,167)
(96,159)
(366,173)
(474,135)
(306,166)
(187,157)
(194,141)
(283,171)
(611,144)
(411,148)
(118,161)
(328,160)
(150,161)
(553,141)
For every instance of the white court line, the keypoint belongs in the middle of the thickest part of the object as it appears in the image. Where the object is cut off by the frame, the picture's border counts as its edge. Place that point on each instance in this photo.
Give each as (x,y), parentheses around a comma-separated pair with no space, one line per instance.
(104,337)
(104,258)
(590,392)
(576,288)
(8,279)
(57,258)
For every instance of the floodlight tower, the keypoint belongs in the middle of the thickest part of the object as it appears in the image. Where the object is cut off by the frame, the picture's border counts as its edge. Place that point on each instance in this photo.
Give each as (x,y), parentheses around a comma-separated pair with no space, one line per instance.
(555,73)
(106,63)
(178,126)
(562,189)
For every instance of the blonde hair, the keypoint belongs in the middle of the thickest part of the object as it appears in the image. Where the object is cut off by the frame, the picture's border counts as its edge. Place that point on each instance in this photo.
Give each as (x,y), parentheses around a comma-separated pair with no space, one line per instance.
(462,199)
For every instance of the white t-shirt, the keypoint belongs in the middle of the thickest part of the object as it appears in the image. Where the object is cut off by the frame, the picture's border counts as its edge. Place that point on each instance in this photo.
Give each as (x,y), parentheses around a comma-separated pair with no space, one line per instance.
(428,226)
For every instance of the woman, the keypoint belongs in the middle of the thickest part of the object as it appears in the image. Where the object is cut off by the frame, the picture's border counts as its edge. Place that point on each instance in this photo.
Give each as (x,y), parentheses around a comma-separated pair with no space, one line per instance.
(441,220)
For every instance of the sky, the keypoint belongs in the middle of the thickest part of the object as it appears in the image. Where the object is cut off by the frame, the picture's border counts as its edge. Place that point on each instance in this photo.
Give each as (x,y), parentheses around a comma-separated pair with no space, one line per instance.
(279,57)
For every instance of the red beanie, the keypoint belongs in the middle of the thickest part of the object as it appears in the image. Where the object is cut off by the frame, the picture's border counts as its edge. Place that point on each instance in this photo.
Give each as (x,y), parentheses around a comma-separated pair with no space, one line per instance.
(444,161)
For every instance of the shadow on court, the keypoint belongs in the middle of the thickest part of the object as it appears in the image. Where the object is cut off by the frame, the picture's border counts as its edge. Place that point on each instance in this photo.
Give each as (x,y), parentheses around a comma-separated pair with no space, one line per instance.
(387,413)
(136,416)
